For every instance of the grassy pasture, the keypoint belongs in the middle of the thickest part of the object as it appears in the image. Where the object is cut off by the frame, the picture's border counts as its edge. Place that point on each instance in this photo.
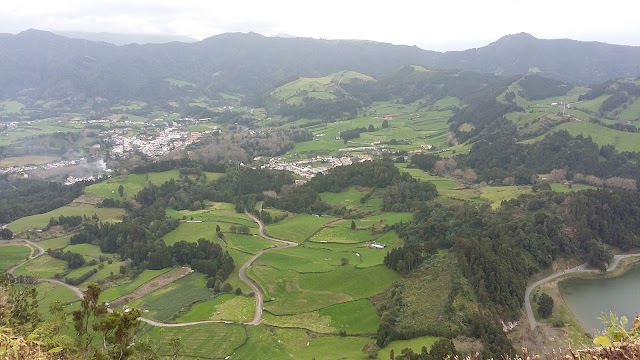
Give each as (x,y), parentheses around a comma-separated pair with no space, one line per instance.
(206,341)
(356,283)
(174,299)
(87,250)
(11,106)
(26,160)
(310,320)
(354,317)
(49,293)
(190,232)
(350,198)
(223,214)
(302,345)
(304,259)
(247,243)
(414,344)
(127,288)
(343,234)
(42,267)
(223,307)
(55,243)
(297,228)
(287,294)
(131,184)
(622,140)
(11,255)
(41,220)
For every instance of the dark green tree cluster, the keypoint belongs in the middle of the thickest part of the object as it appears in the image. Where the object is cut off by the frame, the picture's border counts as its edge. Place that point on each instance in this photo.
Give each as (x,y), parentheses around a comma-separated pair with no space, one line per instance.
(24,197)
(536,87)
(545,305)
(408,257)
(74,260)
(441,349)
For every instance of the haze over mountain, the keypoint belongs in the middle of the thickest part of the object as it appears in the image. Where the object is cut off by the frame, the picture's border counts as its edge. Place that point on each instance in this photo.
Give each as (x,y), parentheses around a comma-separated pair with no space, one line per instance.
(125,39)
(45,66)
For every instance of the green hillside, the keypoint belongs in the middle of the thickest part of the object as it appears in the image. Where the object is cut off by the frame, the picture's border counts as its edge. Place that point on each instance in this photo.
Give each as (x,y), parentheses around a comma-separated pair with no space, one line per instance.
(324,88)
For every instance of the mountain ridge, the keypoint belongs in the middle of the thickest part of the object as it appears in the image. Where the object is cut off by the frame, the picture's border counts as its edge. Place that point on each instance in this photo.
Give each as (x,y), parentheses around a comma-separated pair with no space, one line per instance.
(43,65)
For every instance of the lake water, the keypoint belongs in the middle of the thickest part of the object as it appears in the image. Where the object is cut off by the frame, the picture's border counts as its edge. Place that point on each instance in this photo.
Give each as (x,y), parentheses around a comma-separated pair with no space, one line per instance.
(588,298)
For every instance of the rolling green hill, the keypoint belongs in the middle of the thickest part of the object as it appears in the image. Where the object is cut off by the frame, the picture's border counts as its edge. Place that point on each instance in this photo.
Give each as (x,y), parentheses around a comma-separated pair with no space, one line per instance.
(324,88)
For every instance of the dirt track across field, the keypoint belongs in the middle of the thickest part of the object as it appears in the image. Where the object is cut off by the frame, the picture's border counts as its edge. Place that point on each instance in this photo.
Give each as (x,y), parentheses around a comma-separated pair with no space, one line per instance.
(152,285)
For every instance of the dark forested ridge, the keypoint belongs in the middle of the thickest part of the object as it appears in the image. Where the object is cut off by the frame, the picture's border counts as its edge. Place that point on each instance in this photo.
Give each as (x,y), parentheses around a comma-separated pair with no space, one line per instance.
(44,66)
(24,197)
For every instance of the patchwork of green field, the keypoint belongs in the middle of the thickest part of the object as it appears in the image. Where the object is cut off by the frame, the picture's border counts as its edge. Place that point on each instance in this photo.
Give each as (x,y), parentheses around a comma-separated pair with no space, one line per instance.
(131,184)
(27,160)
(102,274)
(55,243)
(622,140)
(305,259)
(42,267)
(298,227)
(350,199)
(206,341)
(41,220)
(36,128)
(354,317)
(12,255)
(229,307)
(410,125)
(115,292)
(171,301)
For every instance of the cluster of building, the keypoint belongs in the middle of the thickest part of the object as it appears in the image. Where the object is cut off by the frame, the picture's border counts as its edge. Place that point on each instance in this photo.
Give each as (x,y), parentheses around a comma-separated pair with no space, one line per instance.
(308,168)
(27,168)
(169,139)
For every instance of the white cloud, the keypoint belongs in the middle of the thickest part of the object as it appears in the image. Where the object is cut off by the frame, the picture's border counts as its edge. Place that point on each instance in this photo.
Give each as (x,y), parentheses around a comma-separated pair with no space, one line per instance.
(437,23)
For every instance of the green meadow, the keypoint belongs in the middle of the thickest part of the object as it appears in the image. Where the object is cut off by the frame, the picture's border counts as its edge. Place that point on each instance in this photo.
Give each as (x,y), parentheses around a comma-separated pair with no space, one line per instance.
(12,255)
(131,184)
(42,267)
(297,227)
(174,299)
(41,220)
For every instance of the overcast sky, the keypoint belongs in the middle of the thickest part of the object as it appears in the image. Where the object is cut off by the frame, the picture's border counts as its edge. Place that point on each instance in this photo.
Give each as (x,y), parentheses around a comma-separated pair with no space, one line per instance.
(437,25)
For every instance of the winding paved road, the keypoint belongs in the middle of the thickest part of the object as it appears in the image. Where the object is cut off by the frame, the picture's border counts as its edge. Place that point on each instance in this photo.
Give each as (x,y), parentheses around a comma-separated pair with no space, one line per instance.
(33,246)
(257,317)
(578,269)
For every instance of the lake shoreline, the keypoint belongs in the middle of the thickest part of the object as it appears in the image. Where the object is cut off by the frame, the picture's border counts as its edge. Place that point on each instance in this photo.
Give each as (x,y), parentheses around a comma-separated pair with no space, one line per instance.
(624,266)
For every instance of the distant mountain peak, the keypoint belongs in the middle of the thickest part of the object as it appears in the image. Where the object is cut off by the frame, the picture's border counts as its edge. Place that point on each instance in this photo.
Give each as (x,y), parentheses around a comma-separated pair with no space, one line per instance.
(283,35)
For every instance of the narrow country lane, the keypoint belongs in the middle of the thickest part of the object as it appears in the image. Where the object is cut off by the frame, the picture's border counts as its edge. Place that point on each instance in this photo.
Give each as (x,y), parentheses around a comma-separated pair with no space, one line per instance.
(257,317)
(578,269)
